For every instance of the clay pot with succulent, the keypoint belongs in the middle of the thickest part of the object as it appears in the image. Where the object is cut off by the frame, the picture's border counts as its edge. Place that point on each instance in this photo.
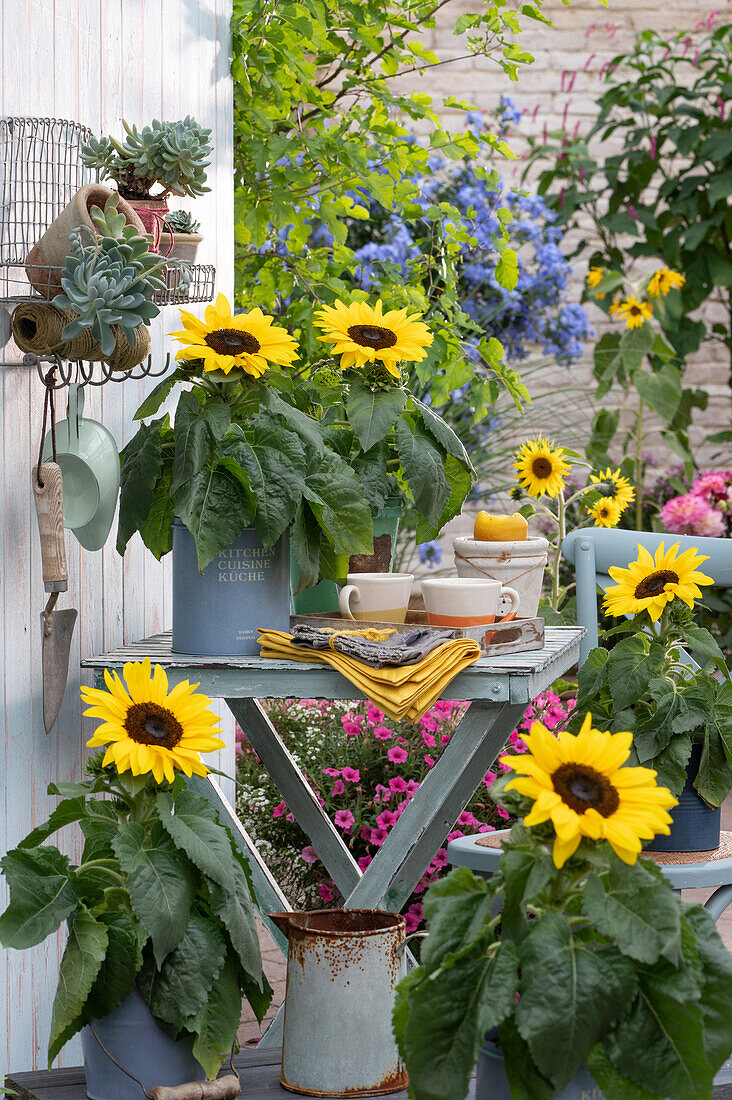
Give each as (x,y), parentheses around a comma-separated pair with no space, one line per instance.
(180,237)
(174,155)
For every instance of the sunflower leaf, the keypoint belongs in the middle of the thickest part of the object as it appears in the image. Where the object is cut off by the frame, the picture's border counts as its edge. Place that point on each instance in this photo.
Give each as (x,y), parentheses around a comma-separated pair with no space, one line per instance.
(191,823)
(80,965)
(305,540)
(181,987)
(338,503)
(217,1021)
(142,462)
(236,911)
(41,895)
(571,991)
(198,428)
(424,469)
(716,963)
(215,506)
(119,967)
(639,914)
(632,664)
(440,430)
(373,413)
(161,882)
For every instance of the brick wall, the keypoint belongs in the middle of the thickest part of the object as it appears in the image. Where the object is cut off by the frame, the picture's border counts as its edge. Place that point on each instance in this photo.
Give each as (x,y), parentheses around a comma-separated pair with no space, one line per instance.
(560,87)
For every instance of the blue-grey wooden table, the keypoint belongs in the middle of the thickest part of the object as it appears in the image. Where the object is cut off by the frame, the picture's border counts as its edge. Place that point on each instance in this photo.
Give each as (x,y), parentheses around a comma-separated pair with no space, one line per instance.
(498,688)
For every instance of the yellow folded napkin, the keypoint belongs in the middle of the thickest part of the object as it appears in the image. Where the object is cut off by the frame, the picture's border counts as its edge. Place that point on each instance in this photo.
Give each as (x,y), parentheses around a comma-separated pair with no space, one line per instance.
(402,692)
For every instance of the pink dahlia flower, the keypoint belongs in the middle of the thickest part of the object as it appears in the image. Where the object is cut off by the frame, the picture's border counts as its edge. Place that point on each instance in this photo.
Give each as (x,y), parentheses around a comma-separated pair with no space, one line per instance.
(691,515)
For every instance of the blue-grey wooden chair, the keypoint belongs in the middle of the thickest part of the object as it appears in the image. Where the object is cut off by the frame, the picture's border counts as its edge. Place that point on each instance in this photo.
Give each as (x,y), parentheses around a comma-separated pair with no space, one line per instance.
(593,550)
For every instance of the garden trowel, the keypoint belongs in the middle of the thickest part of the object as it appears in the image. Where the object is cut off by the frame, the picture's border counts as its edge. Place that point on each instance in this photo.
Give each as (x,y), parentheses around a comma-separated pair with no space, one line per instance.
(57,627)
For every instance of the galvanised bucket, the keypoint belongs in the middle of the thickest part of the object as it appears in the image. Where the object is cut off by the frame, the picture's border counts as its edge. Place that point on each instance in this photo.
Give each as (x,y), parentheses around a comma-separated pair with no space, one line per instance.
(217,612)
(696,826)
(492,1082)
(343,966)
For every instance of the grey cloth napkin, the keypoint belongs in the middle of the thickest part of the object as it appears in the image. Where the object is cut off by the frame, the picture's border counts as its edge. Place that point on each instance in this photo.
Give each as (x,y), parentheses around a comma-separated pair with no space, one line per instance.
(397,649)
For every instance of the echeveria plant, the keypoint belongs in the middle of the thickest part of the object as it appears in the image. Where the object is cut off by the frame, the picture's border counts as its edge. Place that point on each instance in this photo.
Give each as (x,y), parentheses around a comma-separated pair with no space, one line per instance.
(173,154)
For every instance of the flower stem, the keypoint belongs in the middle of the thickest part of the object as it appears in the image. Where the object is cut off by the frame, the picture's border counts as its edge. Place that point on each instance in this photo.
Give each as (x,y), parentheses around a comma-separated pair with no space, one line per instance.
(639,466)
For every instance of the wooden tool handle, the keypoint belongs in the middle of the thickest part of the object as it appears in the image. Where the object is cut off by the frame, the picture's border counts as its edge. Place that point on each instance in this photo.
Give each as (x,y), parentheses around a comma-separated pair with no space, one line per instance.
(225,1088)
(48,497)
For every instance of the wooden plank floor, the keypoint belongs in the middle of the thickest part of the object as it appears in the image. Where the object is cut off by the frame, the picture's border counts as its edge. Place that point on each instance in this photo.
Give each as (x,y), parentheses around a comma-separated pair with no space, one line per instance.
(259,1071)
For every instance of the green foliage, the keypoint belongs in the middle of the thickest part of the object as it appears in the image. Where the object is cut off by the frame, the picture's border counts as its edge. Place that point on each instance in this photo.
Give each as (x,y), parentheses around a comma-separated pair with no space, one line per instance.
(174,154)
(643,685)
(181,222)
(612,971)
(110,282)
(160,900)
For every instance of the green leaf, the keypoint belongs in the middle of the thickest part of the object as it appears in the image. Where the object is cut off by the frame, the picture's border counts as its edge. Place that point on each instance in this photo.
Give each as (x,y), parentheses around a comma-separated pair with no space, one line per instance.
(639,914)
(119,967)
(180,989)
(702,643)
(216,1024)
(633,662)
(68,811)
(305,539)
(161,883)
(661,391)
(460,481)
(424,469)
(339,505)
(81,962)
(592,674)
(198,428)
(671,764)
(274,461)
(571,991)
(506,271)
(156,531)
(157,396)
(215,507)
(41,895)
(191,823)
(456,910)
(235,909)
(662,1041)
(525,1080)
(303,425)
(440,430)
(716,998)
(142,462)
(612,1082)
(373,413)
(371,472)
(714,779)
(635,344)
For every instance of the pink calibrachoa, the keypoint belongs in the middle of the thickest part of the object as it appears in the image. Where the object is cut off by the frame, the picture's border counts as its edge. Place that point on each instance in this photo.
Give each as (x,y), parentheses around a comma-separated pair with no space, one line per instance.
(345,820)
(309,854)
(351,775)
(339,787)
(397,755)
(383,733)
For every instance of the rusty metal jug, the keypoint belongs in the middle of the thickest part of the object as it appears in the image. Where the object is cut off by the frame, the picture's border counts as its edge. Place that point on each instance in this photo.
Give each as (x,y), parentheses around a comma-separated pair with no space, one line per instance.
(343,966)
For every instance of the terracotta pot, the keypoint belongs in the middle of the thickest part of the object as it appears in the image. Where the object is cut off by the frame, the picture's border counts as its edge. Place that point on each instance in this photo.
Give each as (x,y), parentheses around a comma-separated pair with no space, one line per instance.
(182,246)
(152,215)
(45,260)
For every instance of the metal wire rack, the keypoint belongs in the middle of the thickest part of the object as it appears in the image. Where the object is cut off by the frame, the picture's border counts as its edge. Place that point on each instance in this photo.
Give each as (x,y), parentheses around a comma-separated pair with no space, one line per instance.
(65,371)
(40,172)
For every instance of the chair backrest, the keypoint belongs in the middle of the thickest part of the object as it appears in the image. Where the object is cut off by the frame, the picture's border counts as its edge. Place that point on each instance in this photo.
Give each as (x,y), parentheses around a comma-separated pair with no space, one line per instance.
(594,549)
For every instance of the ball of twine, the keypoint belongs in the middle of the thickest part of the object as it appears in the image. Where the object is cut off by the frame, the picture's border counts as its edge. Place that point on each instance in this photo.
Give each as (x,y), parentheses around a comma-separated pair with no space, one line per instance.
(126,356)
(37,327)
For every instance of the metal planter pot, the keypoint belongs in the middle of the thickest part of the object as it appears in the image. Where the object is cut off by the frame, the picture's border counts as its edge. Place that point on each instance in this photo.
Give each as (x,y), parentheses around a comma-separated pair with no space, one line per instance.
(695,826)
(132,1037)
(217,612)
(492,1081)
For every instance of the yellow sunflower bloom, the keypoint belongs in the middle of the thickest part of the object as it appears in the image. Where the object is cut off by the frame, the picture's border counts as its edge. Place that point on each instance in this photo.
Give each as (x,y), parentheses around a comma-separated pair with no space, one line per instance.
(148,728)
(616,486)
(594,276)
(606,512)
(663,280)
(361,333)
(634,312)
(578,782)
(541,468)
(250,341)
(650,583)
(616,304)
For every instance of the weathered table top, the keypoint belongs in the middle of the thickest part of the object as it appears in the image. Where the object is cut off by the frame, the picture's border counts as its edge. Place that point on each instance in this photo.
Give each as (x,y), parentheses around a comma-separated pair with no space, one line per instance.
(259,1070)
(513,677)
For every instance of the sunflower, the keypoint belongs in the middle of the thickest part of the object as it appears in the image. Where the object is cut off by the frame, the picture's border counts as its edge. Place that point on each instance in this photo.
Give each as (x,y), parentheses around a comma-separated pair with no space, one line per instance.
(616,486)
(594,276)
(362,334)
(615,306)
(541,468)
(648,584)
(149,729)
(250,340)
(663,280)
(606,512)
(633,311)
(577,781)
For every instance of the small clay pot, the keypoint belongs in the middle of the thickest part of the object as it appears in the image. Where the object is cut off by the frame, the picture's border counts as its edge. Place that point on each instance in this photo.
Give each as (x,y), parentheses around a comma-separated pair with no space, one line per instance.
(151,213)
(45,261)
(183,246)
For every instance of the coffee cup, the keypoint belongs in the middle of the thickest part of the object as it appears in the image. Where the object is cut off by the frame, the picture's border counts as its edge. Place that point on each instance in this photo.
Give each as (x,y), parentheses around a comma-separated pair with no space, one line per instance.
(468,601)
(379,597)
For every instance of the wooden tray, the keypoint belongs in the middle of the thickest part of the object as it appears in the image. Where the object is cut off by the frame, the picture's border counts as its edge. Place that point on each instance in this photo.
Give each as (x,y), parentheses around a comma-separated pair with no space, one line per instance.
(516,636)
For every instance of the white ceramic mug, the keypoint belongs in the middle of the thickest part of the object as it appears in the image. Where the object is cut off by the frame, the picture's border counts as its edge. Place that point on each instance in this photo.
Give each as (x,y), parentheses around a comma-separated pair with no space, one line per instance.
(379,597)
(467,601)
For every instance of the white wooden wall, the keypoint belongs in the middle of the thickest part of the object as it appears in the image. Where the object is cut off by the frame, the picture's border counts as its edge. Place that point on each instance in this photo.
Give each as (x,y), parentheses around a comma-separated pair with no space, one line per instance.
(93,61)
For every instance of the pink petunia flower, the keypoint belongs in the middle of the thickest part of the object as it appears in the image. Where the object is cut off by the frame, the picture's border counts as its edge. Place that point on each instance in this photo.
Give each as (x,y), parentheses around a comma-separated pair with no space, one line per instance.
(397,755)
(373,715)
(429,761)
(280,809)
(364,861)
(338,788)
(332,771)
(455,834)
(383,733)
(398,783)
(351,775)
(344,819)
(309,855)
(428,740)
(427,722)
(387,819)
(351,729)
(290,818)
(445,738)
(326,892)
(383,794)
(378,836)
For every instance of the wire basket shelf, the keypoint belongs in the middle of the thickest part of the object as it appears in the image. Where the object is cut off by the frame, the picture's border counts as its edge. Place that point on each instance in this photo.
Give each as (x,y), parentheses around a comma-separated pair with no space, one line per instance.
(40,172)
